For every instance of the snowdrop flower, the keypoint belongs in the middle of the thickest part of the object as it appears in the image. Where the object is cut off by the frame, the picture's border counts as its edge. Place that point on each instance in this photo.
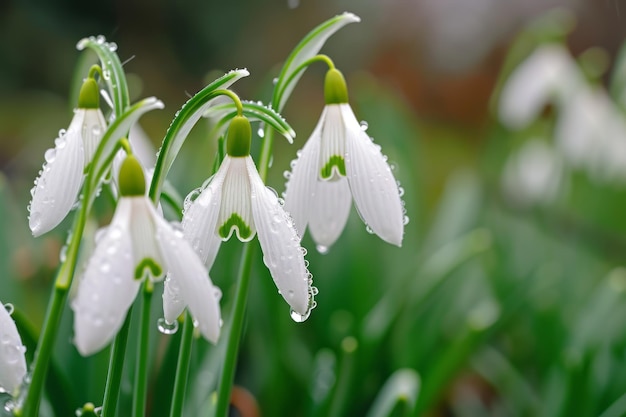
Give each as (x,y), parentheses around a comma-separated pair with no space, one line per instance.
(12,361)
(61,177)
(548,75)
(338,162)
(138,244)
(236,200)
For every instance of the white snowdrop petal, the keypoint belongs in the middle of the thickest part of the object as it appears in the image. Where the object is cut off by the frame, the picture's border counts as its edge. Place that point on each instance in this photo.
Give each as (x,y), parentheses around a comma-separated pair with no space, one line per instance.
(200,220)
(235,211)
(12,361)
(329,211)
(280,243)
(93,128)
(300,187)
(332,151)
(188,273)
(549,73)
(58,185)
(373,185)
(142,228)
(107,288)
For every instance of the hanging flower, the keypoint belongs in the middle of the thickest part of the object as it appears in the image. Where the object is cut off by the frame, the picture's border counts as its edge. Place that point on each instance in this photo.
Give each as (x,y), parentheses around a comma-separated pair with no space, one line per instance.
(12,361)
(236,200)
(57,187)
(338,162)
(138,244)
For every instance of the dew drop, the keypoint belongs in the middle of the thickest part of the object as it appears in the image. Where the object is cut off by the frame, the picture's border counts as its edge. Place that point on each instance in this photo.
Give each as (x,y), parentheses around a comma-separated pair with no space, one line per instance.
(322,249)
(100,39)
(293,4)
(290,294)
(261,131)
(299,318)
(96,131)
(112,47)
(105,267)
(167,328)
(400,191)
(9,308)
(314,291)
(369,230)
(363,125)
(287,175)
(217,293)
(106,74)
(50,155)
(405,220)
(62,133)
(60,142)
(275,80)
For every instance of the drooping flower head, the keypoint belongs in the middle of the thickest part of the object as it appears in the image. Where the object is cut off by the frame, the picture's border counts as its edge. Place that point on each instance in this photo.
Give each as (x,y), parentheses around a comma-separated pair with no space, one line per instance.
(138,244)
(12,361)
(236,200)
(57,187)
(338,162)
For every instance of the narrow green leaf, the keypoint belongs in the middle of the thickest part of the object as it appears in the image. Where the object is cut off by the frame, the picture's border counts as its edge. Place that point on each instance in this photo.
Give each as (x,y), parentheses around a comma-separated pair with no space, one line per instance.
(184,120)
(308,47)
(223,113)
(112,70)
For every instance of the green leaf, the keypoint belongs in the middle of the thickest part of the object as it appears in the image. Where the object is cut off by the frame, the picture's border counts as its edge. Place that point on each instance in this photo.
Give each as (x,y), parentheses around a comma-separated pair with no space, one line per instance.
(109,144)
(112,70)
(308,47)
(223,113)
(183,122)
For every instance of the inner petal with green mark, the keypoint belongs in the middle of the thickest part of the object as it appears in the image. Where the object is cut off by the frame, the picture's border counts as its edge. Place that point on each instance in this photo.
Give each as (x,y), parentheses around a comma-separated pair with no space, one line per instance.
(332,146)
(335,167)
(148,267)
(236,208)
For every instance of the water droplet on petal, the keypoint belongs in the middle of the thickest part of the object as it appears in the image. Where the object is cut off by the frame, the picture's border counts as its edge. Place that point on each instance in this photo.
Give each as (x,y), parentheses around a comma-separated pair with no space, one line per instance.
(364,125)
(299,318)
(9,308)
(322,249)
(100,39)
(167,328)
(405,220)
(261,131)
(369,230)
(112,47)
(50,155)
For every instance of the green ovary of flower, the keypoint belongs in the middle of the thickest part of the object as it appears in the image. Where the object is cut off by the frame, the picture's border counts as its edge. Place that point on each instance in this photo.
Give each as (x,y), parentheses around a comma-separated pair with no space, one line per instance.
(153,268)
(131,181)
(334,161)
(89,96)
(239,136)
(235,221)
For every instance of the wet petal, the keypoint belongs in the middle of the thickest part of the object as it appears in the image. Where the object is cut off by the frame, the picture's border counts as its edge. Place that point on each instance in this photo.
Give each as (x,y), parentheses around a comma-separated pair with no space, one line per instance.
(375,190)
(200,219)
(235,211)
(108,288)
(58,185)
(148,260)
(330,209)
(280,243)
(300,187)
(189,275)
(12,361)
(93,128)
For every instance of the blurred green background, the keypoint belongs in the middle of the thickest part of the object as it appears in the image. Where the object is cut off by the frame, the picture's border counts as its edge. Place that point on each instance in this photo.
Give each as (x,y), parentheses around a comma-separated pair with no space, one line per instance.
(498,303)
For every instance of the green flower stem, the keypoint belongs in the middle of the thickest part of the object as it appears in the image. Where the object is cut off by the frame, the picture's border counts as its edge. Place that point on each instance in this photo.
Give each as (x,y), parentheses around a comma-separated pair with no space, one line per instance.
(143,352)
(116,365)
(182,367)
(43,353)
(234,332)
(300,68)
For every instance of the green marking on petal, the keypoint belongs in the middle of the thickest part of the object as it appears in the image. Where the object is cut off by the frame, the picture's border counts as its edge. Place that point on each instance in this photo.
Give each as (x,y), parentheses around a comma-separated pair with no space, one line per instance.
(152,267)
(333,161)
(235,221)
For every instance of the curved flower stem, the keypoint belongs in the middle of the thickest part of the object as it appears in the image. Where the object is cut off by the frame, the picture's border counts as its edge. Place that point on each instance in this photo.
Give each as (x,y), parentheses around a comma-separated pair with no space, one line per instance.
(234,332)
(143,352)
(116,365)
(182,367)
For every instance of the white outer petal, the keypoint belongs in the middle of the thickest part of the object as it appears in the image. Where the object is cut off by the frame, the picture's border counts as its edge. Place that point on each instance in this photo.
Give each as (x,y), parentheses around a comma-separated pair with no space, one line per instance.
(57,188)
(280,243)
(236,197)
(12,361)
(373,186)
(300,188)
(200,218)
(548,74)
(192,279)
(107,288)
(329,211)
